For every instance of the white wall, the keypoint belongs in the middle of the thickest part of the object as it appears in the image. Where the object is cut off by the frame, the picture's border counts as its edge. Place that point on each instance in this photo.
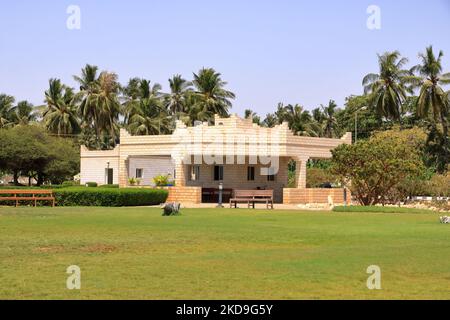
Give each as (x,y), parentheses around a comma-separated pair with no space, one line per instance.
(94,163)
(93,170)
(152,165)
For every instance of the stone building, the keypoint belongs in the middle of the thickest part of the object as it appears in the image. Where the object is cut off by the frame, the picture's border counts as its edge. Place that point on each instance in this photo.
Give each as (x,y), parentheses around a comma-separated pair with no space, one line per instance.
(233,152)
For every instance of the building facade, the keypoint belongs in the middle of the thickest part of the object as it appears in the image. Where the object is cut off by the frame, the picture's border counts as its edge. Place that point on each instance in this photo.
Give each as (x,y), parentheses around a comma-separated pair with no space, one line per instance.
(234,152)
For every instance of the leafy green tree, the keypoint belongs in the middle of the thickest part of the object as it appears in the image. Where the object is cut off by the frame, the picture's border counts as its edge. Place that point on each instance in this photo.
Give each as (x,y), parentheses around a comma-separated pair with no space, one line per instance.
(6,112)
(23,113)
(23,149)
(211,95)
(357,113)
(64,161)
(376,168)
(389,88)
(60,116)
(30,150)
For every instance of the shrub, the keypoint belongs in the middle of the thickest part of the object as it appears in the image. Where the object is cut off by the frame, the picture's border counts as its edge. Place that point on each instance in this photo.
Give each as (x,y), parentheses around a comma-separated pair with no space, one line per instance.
(91,184)
(375,169)
(162,180)
(110,186)
(66,184)
(109,197)
(131,181)
(379,209)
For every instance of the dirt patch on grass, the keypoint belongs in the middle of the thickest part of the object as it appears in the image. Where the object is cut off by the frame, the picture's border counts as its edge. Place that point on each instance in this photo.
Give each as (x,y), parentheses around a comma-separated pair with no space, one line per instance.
(94,248)
(50,249)
(99,248)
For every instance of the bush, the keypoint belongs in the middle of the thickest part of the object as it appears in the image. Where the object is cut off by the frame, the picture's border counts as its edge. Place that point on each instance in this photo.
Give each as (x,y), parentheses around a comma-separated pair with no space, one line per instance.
(163,180)
(131,181)
(109,197)
(379,209)
(110,186)
(91,184)
(66,184)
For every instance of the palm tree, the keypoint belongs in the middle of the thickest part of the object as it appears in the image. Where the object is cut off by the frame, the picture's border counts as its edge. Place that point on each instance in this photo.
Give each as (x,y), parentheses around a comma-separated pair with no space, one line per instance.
(175,101)
(330,123)
(212,98)
(144,111)
(250,114)
(270,121)
(299,120)
(432,97)
(389,88)
(60,116)
(88,86)
(136,92)
(100,106)
(23,113)
(6,113)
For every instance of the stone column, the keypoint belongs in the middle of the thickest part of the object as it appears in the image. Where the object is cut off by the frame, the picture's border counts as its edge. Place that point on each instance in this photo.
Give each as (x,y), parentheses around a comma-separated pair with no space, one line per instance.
(123,171)
(180,173)
(300,171)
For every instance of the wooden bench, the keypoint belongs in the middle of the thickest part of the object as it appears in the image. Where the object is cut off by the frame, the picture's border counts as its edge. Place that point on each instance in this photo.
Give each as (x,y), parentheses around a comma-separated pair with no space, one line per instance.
(251,197)
(27,195)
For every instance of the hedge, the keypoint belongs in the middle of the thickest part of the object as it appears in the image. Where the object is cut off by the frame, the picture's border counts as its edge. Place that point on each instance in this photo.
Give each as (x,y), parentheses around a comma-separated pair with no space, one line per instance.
(379,209)
(109,197)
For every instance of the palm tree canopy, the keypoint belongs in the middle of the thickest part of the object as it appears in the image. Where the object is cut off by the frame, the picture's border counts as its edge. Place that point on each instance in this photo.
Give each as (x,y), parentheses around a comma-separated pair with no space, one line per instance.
(388,89)
(60,115)
(6,110)
(211,94)
(175,101)
(432,96)
(24,113)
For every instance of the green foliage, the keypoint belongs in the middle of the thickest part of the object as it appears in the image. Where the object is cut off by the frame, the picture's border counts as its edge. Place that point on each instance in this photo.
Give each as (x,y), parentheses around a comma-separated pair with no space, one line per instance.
(380,209)
(30,151)
(110,186)
(91,184)
(162,180)
(70,183)
(109,197)
(375,169)
(316,177)
(132,181)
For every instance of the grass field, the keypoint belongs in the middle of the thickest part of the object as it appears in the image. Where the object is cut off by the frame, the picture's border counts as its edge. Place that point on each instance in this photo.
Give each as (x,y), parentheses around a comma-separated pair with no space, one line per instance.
(135,253)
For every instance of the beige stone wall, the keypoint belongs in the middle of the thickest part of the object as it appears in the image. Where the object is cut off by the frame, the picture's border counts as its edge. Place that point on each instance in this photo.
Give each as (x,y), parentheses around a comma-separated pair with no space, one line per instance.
(185,195)
(235,177)
(304,196)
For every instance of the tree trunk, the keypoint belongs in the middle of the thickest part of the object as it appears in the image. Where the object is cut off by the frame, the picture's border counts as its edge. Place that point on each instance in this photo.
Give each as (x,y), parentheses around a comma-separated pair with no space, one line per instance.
(16,177)
(40,179)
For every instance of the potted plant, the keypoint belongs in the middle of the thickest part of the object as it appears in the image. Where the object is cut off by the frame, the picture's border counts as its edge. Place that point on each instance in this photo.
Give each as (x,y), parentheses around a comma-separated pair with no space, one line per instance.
(132,181)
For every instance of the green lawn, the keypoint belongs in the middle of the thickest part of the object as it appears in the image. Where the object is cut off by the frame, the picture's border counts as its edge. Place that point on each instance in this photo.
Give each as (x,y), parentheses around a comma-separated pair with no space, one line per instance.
(135,253)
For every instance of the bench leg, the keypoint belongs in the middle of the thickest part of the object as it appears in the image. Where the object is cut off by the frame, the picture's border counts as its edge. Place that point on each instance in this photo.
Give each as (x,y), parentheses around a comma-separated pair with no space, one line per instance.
(17,203)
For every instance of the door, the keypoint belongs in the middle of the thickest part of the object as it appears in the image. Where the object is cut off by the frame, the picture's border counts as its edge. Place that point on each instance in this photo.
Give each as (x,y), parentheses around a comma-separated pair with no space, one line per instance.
(109,176)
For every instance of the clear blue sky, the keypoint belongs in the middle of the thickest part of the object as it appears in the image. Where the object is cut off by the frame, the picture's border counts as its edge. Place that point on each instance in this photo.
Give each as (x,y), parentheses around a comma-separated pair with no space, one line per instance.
(288,51)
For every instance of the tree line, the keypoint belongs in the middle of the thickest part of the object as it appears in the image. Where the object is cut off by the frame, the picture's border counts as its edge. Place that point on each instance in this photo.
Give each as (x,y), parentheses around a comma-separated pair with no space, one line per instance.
(100,106)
